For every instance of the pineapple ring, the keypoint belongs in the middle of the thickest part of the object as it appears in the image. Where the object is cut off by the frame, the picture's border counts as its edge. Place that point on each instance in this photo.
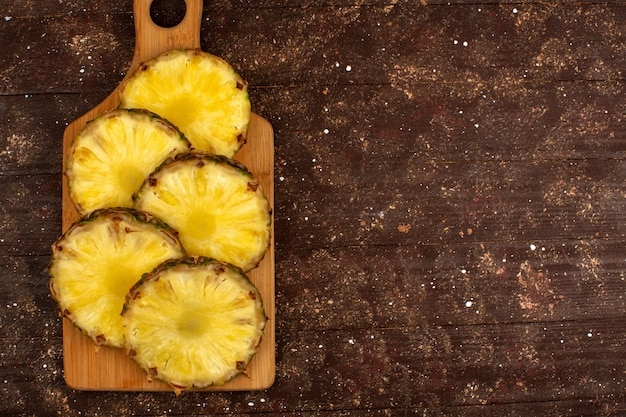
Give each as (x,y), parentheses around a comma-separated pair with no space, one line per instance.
(193,322)
(214,203)
(199,93)
(112,155)
(97,261)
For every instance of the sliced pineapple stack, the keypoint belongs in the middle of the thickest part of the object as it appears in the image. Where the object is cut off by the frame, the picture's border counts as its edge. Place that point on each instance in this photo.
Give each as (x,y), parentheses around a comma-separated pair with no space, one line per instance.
(97,261)
(194,322)
(150,196)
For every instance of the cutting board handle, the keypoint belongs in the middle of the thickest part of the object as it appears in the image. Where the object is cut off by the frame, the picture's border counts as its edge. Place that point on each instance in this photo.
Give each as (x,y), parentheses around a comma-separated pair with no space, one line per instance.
(152,39)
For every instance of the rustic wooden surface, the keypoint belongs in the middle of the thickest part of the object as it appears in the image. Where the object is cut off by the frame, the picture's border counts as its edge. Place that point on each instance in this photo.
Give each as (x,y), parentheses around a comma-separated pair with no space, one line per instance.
(450,201)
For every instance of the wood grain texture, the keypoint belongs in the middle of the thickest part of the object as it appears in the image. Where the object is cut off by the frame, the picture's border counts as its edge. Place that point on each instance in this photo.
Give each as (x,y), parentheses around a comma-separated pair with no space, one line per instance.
(88,368)
(449,199)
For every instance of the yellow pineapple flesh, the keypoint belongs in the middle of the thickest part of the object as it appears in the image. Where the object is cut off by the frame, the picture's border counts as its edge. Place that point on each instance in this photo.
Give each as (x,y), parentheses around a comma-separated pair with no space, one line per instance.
(112,155)
(199,93)
(194,322)
(96,262)
(216,205)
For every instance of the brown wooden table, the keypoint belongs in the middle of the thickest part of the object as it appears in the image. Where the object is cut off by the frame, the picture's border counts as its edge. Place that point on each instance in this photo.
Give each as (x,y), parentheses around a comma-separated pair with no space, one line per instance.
(450,201)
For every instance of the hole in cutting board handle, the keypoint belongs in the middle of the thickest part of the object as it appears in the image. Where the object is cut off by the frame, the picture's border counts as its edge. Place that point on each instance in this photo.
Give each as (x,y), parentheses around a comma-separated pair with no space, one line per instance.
(168,13)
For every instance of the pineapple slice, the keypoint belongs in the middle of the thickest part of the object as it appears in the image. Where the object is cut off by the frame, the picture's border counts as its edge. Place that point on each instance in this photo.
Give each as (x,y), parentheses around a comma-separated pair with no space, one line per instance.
(96,262)
(194,322)
(112,155)
(215,204)
(199,93)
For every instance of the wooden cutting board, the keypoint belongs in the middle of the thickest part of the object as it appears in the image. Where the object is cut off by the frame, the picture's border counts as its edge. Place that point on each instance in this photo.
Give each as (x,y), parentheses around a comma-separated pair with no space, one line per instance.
(88,368)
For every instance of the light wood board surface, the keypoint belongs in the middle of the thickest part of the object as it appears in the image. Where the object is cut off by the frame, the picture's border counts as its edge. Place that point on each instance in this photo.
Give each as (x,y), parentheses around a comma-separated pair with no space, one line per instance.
(88,368)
